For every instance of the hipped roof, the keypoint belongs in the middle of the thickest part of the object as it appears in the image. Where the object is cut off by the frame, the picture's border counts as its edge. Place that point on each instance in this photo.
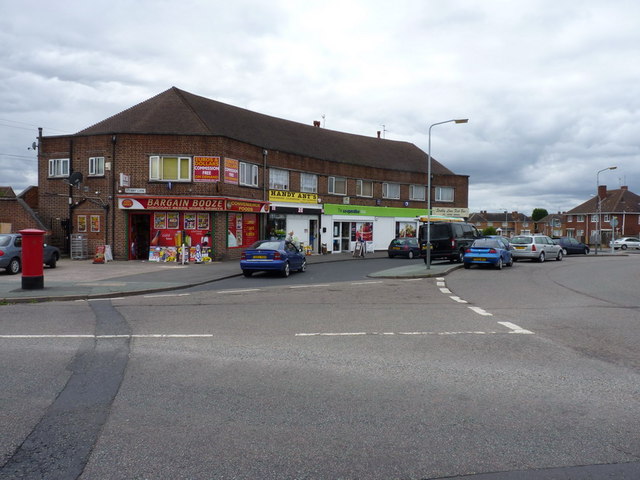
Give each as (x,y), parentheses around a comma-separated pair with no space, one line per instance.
(176,112)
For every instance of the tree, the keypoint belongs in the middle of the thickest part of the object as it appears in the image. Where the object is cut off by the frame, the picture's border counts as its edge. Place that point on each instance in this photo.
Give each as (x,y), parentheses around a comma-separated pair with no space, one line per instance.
(538,213)
(489,231)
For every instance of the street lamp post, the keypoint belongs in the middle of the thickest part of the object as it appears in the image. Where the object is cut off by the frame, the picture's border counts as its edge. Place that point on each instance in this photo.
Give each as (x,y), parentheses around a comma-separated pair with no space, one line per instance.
(428,256)
(599,205)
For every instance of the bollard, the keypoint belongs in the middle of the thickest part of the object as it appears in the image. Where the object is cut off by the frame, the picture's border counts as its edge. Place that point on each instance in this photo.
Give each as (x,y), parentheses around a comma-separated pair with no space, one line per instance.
(32,259)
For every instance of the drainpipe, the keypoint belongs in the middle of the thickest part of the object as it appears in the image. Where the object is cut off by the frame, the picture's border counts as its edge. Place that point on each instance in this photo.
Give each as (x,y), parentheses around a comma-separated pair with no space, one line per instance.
(112,204)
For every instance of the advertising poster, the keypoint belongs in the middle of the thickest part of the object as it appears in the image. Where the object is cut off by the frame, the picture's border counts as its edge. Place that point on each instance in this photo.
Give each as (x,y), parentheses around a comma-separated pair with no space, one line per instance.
(95,223)
(206,169)
(189,221)
(405,229)
(159,220)
(231,168)
(82,223)
(203,221)
(173,220)
(243,229)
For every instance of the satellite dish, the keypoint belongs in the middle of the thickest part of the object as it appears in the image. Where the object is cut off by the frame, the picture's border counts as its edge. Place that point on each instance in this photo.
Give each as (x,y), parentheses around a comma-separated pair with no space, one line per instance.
(75,178)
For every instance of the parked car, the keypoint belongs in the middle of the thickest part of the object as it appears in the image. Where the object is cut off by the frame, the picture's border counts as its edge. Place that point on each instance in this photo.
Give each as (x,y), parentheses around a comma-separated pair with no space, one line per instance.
(11,253)
(626,242)
(448,239)
(503,240)
(488,251)
(272,255)
(404,247)
(570,245)
(535,247)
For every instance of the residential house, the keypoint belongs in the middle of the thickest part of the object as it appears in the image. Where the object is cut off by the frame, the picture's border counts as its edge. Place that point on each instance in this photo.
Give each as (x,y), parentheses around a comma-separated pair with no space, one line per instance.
(16,213)
(506,223)
(551,225)
(592,221)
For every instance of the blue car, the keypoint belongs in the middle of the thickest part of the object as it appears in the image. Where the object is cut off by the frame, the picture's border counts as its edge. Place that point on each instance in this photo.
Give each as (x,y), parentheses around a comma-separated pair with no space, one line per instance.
(272,256)
(488,251)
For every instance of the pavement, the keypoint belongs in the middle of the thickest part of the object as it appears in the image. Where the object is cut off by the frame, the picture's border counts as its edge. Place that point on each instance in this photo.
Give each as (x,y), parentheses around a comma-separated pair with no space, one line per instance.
(83,280)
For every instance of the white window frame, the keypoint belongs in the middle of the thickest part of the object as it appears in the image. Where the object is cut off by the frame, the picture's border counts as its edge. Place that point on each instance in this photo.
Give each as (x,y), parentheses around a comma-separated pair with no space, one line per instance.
(413,189)
(331,187)
(360,187)
(594,218)
(569,218)
(580,218)
(391,191)
(58,167)
(155,164)
(606,218)
(308,183)
(278,179)
(248,174)
(96,166)
(441,194)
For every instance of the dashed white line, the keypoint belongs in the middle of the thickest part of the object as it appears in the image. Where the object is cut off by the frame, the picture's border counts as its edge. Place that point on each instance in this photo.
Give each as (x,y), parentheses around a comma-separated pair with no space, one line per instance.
(441,284)
(244,290)
(366,283)
(480,311)
(515,328)
(310,286)
(168,295)
(101,337)
(457,299)
(445,290)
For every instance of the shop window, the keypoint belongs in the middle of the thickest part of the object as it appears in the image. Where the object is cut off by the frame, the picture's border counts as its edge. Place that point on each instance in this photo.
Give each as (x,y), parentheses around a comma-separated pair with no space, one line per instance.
(308,183)
(278,179)
(96,166)
(417,192)
(170,169)
(338,185)
(248,174)
(59,167)
(276,225)
(242,229)
(391,190)
(364,188)
(444,194)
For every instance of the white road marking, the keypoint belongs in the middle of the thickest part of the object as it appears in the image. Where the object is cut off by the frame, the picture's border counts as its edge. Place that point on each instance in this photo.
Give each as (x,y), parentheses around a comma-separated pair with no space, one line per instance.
(168,295)
(310,286)
(480,311)
(366,283)
(445,290)
(358,334)
(441,284)
(440,279)
(244,290)
(101,299)
(515,328)
(458,299)
(412,279)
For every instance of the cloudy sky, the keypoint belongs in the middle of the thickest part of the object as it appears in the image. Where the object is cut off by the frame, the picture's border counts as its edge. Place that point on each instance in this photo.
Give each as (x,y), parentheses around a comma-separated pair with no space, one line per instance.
(551,88)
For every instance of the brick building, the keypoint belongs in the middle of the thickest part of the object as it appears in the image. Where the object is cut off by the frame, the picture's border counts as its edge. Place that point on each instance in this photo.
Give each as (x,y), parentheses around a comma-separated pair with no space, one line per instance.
(18,212)
(181,168)
(507,223)
(590,222)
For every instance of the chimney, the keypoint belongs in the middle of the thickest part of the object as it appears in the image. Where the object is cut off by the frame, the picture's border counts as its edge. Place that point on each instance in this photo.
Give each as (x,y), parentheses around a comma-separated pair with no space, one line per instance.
(602,192)
(378,133)
(316,123)
(624,187)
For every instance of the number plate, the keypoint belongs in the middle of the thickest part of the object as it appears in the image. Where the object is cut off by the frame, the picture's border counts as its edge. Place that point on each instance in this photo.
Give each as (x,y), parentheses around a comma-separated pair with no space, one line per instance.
(478,259)
(520,248)
(259,256)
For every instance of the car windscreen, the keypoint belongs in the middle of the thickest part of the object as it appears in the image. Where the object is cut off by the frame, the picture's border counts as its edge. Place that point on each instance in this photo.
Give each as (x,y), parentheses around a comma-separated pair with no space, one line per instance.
(486,243)
(521,240)
(268,246)
(5,240)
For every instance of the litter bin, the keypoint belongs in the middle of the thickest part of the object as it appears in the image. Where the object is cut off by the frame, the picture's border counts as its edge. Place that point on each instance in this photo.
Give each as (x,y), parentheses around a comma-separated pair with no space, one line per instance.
(324,248)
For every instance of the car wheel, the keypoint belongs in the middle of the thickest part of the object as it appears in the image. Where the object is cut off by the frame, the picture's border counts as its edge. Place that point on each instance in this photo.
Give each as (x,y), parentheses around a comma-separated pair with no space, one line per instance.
(559,257)
(623,246)
(247,273)
(54,261)
(541,257)
(514,259)
(14,266)
(467,266)
(390,256)
(410,255)
(303,267)
(286,270)
(499,264)
(510,263)
(586,250)
(564,251)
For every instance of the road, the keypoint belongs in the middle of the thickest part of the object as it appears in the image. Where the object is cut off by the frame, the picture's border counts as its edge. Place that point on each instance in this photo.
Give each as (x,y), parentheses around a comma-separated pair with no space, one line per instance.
(528,372)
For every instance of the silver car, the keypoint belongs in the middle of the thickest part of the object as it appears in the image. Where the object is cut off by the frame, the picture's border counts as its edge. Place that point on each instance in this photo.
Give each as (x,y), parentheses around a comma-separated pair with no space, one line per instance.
(535,247)
(626,242)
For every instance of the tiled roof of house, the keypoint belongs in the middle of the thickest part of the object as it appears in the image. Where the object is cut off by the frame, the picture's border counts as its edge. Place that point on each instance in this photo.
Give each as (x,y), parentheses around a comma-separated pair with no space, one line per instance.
(176,112)
(616,201)
(7,192)
(483,217)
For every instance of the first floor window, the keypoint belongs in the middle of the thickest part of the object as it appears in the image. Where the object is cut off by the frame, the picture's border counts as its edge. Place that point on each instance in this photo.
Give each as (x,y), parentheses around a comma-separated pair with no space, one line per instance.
(364,188)
(580,218)
(59,167)
(338,185)
(96,166)
(170,169)
(248,174)
(417,192)
(594,218)
(308,183)
(391,190)
(278,179)
(444,194)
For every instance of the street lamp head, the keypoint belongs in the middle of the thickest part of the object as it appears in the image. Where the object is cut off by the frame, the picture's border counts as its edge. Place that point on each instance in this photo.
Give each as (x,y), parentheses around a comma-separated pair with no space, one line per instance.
(461,120)
(612,168)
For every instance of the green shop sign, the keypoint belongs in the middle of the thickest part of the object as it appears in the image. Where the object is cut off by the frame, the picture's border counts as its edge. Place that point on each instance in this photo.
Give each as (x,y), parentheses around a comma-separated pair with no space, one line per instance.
(365,211)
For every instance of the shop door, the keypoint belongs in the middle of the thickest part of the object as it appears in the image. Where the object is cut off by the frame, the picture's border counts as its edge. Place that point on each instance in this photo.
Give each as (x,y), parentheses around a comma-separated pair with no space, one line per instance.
(313,235)
(139,231)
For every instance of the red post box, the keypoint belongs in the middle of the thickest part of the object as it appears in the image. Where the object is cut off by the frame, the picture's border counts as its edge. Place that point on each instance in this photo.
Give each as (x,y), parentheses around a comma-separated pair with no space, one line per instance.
(32,259)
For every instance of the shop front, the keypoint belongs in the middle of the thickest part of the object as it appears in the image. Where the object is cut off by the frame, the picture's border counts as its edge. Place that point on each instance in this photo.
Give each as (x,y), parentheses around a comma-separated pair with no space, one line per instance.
(344,225)
(183,229)
(296,212)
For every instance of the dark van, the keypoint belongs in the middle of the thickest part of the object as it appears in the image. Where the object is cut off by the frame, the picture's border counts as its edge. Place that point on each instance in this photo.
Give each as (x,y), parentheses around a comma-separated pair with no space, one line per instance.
(448,239)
